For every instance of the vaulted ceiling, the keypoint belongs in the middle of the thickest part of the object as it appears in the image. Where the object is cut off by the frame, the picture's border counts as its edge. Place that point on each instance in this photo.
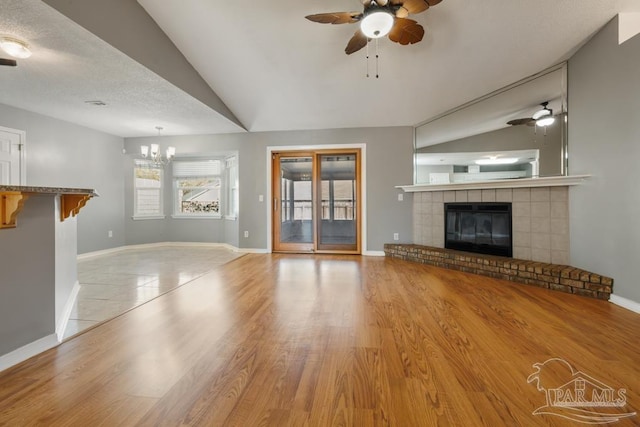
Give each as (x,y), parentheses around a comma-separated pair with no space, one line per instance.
(267,68)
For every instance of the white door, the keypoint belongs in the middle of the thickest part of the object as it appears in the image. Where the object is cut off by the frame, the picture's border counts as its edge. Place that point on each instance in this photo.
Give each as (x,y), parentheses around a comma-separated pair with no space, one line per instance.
(10,145)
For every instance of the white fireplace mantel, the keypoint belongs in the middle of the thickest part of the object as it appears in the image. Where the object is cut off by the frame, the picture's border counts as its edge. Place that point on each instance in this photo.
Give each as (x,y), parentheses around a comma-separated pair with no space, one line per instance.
(550,181)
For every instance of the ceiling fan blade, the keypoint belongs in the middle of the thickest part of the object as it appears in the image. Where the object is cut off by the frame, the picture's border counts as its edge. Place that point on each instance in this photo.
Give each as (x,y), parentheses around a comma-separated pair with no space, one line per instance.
(9,62)
(357,42)
(402,12)
(335,17)
(406,31)
(524,121)
(411,6)
(433,2)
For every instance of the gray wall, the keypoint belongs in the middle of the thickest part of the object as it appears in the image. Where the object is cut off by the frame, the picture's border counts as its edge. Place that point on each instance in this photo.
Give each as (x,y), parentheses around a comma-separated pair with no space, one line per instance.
(604,130)
(175,229)
(389,153)
(27,281)
(62,154)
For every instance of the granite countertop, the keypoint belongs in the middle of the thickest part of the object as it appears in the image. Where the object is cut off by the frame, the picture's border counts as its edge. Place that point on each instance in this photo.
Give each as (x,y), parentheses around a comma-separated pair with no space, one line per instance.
(49,190)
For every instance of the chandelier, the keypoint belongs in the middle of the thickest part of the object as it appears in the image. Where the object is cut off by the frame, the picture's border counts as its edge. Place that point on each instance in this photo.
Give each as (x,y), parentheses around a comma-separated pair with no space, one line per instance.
(154,154)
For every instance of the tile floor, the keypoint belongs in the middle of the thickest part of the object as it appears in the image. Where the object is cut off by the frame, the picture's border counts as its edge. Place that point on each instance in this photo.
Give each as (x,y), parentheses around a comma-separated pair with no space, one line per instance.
(114,283)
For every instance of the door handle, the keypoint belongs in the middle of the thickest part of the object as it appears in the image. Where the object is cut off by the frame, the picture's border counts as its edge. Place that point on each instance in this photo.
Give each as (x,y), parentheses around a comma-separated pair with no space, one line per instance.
(275,204)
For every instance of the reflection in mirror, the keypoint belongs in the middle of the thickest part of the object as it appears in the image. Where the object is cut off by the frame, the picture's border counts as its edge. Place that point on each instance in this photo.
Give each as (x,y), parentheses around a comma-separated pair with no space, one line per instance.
(454,168)
(451,148)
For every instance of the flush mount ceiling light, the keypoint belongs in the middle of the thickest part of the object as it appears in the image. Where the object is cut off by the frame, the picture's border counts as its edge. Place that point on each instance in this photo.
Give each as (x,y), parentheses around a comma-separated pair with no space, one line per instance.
(494,160)
(377,24)
(14,47)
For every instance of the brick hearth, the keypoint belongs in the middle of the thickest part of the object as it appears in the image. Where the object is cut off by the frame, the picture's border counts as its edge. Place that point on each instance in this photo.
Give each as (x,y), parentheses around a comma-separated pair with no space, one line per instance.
(562,278)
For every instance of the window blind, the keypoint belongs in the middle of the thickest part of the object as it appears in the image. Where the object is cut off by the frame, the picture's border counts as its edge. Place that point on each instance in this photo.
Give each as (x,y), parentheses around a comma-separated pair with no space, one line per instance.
(197,168)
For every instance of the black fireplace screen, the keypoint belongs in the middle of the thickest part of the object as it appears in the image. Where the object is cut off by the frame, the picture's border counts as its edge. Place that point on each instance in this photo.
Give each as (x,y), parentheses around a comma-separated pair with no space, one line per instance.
(479,227)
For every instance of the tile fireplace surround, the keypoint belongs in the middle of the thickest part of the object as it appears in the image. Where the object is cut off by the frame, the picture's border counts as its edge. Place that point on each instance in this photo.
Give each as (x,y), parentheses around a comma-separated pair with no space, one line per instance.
(540,233)
(540,219)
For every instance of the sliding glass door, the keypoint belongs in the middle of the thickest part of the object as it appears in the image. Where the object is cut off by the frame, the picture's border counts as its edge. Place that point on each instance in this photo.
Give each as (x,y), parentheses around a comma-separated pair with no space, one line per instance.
(293,203)
(337,224)
(316,204)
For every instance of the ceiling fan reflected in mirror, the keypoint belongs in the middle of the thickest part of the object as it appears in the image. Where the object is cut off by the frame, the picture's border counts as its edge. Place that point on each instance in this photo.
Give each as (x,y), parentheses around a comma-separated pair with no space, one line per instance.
(378,19)
(543,118)
(13,47)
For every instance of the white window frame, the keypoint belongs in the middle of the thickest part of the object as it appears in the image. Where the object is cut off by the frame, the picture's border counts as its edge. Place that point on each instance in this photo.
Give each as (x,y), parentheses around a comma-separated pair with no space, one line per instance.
(232,181)
(142,164)
(177,214)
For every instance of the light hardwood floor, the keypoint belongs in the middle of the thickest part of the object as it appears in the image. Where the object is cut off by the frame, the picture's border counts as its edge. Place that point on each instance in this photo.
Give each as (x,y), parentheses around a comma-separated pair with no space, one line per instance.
(280,340)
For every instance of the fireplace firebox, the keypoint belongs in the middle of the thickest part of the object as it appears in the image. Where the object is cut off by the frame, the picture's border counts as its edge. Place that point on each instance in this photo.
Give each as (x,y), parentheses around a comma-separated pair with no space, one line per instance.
(479,227)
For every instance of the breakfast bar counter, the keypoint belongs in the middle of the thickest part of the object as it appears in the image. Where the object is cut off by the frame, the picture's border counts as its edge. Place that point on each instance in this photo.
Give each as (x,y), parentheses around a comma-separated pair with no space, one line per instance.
(38,266)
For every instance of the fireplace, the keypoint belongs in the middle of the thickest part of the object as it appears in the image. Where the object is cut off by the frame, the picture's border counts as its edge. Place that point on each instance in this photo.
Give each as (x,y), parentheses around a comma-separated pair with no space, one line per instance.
(479,227)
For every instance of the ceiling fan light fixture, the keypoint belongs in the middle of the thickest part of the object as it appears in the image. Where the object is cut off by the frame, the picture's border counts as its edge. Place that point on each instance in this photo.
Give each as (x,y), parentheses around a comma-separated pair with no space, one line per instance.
(544,111)
(545,120)
(541,113)
(14,47)
(377,24)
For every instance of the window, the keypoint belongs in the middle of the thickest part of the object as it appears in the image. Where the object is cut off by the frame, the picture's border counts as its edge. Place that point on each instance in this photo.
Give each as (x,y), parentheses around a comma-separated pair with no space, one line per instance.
(197,188)
(233,200)
(302,201)
(285,195)
(147,203)
(338,200)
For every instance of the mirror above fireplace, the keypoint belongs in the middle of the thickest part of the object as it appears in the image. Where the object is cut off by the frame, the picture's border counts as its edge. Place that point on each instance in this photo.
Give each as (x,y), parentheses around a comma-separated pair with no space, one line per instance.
(452,142)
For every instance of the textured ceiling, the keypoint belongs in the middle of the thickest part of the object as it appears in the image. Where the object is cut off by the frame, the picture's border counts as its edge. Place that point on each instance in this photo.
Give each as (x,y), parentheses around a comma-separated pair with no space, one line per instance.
(277,71)
(70,66)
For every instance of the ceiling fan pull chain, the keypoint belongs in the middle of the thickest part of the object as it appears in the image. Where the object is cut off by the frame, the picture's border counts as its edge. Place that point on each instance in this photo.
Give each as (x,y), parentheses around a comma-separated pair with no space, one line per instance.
(367,58)
(377,61)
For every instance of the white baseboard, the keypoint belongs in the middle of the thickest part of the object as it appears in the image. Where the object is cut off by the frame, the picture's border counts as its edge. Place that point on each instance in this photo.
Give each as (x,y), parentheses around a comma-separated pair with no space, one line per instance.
(63,319)
(88,255)
(166,244)
(373,253)
(253,251)
(625,302)
(217,245)
(193,244)
(25,352)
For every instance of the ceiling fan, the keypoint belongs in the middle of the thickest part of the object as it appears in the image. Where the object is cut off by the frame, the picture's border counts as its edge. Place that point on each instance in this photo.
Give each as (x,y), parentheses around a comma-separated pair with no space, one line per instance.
(13,47)
(543,117)
(379,18)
